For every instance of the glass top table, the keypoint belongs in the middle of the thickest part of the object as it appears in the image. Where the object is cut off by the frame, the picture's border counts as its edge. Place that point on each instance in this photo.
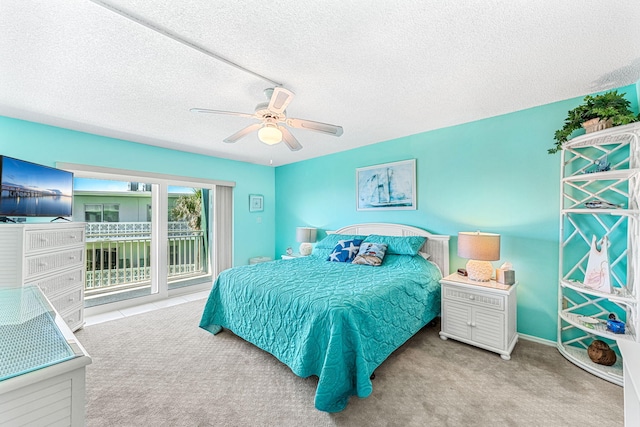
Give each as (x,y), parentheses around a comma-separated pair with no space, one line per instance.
(30,333)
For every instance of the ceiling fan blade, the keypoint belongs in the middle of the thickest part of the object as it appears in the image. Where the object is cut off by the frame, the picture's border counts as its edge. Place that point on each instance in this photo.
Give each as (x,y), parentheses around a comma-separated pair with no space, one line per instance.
(242,132)
(280,99)
(316,126)
(230,113)
(289,139)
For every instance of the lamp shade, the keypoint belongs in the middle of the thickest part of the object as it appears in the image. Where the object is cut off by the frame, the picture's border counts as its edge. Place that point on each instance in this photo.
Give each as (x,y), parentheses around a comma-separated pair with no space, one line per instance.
(270,134)
(306,234)
(479,246)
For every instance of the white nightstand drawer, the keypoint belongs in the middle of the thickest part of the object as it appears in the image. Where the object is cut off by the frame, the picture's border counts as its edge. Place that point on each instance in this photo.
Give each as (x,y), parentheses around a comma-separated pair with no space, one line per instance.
(37,240)
(474,297)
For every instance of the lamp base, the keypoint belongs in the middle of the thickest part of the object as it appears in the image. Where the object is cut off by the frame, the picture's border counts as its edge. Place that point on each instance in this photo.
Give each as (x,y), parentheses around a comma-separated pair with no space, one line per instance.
(306,249)
(480,271)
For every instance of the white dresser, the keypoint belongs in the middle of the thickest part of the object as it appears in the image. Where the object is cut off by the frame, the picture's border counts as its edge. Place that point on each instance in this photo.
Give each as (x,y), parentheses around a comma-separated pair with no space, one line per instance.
(51,256)
(480,313)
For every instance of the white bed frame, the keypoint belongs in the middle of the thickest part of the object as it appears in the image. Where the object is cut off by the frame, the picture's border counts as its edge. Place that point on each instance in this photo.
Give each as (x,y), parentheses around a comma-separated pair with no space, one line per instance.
(437,245)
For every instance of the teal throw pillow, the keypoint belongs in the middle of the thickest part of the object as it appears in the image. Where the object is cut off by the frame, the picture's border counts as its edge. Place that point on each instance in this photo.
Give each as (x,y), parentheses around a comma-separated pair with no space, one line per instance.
(332,240)
(399,245)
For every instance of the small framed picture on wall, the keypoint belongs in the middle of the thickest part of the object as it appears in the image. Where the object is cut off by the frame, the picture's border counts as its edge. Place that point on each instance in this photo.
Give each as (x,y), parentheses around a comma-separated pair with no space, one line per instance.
(256,202)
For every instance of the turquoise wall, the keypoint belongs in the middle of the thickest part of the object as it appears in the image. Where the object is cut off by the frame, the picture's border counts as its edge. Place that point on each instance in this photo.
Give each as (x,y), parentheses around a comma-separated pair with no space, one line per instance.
(254,232)
(492,175)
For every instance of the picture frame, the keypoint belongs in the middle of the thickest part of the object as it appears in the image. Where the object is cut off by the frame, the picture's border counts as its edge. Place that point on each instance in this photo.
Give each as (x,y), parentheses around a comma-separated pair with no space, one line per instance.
(256,203)
(387,186)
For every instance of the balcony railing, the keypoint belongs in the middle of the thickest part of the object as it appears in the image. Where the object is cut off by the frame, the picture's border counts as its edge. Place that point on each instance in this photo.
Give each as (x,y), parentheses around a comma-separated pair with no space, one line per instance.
(118,255)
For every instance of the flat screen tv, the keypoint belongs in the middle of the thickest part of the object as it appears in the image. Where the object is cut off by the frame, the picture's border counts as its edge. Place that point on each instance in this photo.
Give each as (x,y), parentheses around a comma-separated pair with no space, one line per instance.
(30,190)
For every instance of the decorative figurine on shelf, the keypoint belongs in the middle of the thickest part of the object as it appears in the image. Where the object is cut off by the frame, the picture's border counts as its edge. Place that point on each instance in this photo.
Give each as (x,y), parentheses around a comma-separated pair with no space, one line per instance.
(600,204)
(601,165)
(614,325)
(289,251)
(599,352)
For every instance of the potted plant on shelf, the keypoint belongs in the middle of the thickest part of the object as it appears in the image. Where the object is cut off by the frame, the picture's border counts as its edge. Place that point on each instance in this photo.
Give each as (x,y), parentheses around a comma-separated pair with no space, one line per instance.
(596,113)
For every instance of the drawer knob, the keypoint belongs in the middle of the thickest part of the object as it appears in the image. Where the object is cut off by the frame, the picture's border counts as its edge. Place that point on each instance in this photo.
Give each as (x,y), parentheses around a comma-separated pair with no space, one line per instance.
(468,323)
(72,257)
(471,297)
(43,264)
(71,299)
(73,236)
(71,279)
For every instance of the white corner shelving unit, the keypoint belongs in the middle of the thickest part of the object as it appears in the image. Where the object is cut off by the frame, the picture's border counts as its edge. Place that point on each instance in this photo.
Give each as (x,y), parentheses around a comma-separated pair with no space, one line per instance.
(619,186)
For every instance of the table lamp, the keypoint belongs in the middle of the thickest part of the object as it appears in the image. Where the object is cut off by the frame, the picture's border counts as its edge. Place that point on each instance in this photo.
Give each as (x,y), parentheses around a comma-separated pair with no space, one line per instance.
(479,248)
(306,236)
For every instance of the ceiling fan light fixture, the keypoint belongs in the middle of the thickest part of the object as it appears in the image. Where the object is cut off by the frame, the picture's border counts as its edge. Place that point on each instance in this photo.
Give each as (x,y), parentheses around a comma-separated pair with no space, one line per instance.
(270,115)
(270,134)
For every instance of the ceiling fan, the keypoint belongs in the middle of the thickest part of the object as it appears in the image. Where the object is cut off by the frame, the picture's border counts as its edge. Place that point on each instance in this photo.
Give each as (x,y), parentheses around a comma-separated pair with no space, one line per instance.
(272,116)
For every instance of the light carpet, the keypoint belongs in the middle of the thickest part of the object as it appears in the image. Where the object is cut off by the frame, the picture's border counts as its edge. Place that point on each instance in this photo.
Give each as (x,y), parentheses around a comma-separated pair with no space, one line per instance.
(160,369)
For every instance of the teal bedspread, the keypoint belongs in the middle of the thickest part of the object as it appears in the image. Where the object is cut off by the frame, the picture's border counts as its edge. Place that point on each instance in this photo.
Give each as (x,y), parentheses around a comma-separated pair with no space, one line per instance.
(337,321)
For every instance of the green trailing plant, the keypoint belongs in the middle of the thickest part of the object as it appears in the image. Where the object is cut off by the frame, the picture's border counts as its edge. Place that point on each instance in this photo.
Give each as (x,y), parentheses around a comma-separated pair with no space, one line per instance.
(611,105)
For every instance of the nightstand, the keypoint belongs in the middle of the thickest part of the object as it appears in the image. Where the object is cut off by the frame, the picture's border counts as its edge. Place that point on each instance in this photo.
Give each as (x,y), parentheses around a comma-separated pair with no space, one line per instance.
(292,256)
(479,313)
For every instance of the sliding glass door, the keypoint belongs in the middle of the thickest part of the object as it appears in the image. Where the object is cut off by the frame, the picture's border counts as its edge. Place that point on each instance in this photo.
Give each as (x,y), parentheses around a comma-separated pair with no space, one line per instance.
(119,239)
(143,238)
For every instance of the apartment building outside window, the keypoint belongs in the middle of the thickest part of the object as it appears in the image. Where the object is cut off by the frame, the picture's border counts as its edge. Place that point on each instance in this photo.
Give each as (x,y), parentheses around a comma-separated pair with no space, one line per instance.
(107,212)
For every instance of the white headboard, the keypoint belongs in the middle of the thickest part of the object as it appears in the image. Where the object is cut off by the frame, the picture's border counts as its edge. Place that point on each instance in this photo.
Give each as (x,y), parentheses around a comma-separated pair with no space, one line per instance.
(437,245)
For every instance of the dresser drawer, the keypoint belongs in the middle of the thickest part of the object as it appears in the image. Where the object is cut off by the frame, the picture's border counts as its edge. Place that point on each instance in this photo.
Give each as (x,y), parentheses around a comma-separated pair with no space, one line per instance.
(61,282)
(38,240)
(74,318)
(64,302)
(481,299)
(42,264)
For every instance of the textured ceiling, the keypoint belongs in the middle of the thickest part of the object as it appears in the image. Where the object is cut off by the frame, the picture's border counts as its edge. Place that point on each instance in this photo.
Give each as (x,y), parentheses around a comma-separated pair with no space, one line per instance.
(382,70)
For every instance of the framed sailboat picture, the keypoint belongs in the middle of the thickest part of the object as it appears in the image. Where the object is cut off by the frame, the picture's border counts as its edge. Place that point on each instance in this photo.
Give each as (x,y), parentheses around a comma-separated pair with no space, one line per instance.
(390,186)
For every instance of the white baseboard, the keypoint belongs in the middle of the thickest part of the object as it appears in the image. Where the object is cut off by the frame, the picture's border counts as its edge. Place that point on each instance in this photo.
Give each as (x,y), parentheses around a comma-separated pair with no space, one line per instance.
(538,340)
